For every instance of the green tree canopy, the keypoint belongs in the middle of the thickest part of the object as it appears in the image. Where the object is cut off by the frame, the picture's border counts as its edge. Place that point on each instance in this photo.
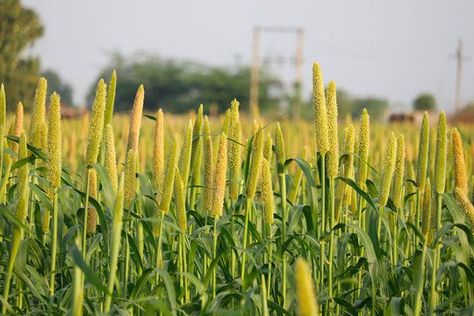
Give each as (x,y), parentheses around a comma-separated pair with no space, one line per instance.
(424,102)
(19,27)
(180,86)
(55,83)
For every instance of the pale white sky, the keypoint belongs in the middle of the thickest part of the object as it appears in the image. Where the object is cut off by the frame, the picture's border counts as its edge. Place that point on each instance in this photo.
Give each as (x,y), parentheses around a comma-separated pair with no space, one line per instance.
(393,49)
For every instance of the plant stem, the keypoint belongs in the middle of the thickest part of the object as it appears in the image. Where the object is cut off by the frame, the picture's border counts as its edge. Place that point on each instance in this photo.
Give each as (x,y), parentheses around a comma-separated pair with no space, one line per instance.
(214,256)
(248,205)
(54,243)
(323,220)
(331,242)
(282,179)
(86,209)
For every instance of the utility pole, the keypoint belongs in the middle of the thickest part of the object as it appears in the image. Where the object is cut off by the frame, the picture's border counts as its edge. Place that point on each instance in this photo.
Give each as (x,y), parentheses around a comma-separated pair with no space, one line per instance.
(459,60)
(255,67)
(296,108)
(255,73)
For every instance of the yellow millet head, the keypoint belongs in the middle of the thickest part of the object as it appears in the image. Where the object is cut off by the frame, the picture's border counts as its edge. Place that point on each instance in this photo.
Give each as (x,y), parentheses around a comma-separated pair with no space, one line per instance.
(110,160)
(399,173)
(364,145)
(3,108)
(235,159)
(267,192)
(220,178)
(305,291)
(96,124)
(267,147)
(320,111)
(185,157)
(168,183)
(388,169)
(441,152)
(136,120)
(130,188)
(426,211)
(254,171)
(208,162)
(18,127)
(109,105)
(460,174)
(180,200)
(333,153)
(55,141)
(279,149)
(38,112)
(158,150)
(423,152)
(463,200)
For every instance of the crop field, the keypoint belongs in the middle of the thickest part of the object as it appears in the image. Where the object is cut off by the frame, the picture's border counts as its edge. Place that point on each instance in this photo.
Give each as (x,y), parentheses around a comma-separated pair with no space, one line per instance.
(152,213)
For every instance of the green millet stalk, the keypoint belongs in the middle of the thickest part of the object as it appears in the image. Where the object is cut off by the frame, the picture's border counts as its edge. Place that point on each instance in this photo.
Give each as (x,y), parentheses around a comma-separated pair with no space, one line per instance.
(168,183)
(208,162)
(460,174)
(305,291)
(158,151)
(254,172)
(180,200)
(388,169)
(115,237)
(220,178)
(136,120)
(441,152)
(110,160)
(130,188)
(399,173)
(96,125)
(54,141)
(38,112)
(423,152)
(333,153)
(364,144)
(21,212)
(185,157)
(267,192)
(110,100)
(319,102)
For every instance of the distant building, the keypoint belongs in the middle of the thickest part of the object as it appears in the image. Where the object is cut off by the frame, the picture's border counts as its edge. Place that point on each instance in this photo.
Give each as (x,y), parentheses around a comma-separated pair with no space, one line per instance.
(413,117)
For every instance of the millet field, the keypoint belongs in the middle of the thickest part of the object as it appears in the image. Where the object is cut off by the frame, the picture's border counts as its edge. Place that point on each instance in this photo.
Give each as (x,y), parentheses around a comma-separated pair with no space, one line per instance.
(152,213)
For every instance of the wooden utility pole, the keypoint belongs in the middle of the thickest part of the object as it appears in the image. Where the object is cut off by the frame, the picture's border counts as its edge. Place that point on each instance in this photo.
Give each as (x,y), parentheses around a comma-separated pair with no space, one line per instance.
(459,60)
(255,73)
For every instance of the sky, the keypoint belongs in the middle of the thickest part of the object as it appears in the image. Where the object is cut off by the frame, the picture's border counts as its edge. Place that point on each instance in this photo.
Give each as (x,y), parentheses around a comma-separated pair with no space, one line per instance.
(388,49)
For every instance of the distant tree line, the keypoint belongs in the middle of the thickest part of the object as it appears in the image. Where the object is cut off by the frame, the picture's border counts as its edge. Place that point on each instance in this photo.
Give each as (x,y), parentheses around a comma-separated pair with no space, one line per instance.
(180,86)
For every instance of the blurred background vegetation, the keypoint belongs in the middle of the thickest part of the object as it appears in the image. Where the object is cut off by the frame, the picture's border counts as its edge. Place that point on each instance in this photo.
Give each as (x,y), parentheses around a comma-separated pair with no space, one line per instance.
(178,86)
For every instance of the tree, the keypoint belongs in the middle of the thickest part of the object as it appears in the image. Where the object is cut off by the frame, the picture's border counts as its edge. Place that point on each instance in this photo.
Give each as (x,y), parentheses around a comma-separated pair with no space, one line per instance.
(424,102)
(55,83)
(19,27)
(180,86)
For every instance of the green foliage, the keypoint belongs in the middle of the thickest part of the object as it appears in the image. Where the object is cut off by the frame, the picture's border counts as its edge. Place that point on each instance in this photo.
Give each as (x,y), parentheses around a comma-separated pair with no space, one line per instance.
(177,85)
(56,83)
(19,27)
(424,102)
